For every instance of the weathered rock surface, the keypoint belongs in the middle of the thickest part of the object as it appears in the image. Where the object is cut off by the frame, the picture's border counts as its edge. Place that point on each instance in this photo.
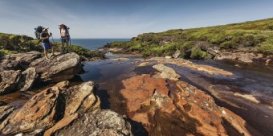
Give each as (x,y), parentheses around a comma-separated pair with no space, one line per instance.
(27,79)
(40,112)
(176,54)
(5,111)
(102,123)
(239,56)
(188,64)
(59,68)
(166,72)
(9,79)
(35,69)
(61,110)
(19,61)
(177,108)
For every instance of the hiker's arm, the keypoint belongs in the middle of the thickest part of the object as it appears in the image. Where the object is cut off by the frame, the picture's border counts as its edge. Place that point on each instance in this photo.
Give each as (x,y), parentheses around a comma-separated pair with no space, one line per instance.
(44,37)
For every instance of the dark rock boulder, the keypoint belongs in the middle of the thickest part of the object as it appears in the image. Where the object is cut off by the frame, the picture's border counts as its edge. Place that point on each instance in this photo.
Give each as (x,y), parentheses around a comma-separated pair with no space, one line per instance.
(9,79)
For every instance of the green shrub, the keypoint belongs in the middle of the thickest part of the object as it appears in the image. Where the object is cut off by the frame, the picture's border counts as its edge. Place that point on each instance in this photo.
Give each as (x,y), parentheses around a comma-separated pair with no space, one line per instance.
(228,45)
(197,53)
(266,47)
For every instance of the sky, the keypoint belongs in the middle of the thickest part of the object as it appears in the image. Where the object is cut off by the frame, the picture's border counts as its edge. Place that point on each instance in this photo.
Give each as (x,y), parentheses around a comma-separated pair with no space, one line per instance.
(125,18)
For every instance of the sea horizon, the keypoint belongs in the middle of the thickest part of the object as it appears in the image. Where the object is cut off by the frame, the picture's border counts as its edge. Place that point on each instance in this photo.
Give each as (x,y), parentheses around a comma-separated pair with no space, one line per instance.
(93,43)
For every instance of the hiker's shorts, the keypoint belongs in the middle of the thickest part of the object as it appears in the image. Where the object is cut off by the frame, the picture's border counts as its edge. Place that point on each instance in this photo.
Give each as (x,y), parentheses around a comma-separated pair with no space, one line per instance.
(46,46)
(65,39)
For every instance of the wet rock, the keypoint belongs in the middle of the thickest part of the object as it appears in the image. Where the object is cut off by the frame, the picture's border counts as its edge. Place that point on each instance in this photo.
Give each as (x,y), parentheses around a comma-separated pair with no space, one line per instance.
(177,108)
(19,61)
(9,80)
(188,64)
(248,97)
(40,112)
(59,68)
(100,123)
(166,72)
(27,79)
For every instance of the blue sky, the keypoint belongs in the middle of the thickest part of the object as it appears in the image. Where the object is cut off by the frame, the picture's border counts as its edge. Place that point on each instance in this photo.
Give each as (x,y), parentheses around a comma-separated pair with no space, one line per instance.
(125,18)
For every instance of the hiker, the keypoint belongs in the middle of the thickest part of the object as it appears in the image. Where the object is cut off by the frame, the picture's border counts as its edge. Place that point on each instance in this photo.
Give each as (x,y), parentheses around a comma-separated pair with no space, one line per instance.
(65,37)
(45,42)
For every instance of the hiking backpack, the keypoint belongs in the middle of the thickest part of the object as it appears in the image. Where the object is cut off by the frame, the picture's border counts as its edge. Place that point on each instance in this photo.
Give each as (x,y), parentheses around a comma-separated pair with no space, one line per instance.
(38,31)
(66,28)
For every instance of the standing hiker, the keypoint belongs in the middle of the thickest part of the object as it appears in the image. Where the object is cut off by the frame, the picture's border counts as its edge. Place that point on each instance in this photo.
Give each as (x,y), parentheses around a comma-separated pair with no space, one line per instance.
(45,42)
(65,37)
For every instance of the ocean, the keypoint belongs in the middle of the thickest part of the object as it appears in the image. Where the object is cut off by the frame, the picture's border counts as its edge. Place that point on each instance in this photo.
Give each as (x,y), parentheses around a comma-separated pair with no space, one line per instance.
(92,44)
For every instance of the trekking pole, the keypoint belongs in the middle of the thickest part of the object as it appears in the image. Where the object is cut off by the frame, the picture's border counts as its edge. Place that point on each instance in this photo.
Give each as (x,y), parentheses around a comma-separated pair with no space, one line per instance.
(52,39)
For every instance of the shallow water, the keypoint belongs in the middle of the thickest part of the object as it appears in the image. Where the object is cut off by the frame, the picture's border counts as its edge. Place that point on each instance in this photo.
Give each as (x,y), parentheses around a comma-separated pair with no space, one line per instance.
(254,80)
(247,79)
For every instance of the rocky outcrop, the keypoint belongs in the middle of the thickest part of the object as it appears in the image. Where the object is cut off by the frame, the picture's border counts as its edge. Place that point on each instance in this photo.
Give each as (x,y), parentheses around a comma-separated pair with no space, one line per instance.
(239,56)
(19,61)
(176,54)
(188,64)
(36,69)
(166,72)
(177,108)
(39,113)
(60,68)
(61,110)
(27,79)
(103,123)
(9,80)
(5,111)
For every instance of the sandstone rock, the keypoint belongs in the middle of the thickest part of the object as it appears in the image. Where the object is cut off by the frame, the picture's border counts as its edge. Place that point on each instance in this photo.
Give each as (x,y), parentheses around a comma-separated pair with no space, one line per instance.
(177,54)
(59,68)
(101,123)
(78,95)
(40,112)
(177,108)
(9,80)
(188,64)
(5,111)
(167,72)
(18,61)
(168,57)
(239,56)
(60,110)
(27,79)
(83,115)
